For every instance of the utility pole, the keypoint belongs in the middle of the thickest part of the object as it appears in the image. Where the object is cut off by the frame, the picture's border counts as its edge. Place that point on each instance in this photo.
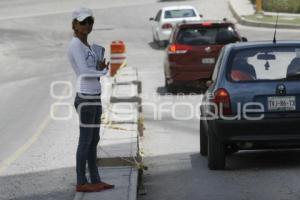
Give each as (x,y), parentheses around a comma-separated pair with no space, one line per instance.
(258,6)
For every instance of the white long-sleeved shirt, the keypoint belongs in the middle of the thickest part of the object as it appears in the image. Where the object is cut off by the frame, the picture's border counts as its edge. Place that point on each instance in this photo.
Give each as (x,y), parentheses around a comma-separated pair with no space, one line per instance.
(84,62)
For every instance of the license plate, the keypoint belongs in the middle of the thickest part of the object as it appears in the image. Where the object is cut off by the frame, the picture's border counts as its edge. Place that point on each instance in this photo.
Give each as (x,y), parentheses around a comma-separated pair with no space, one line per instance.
(287,103)
(208,61)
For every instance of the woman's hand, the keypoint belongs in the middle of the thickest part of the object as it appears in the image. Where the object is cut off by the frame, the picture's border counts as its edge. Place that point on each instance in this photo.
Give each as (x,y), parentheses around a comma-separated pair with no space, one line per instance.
(103,65)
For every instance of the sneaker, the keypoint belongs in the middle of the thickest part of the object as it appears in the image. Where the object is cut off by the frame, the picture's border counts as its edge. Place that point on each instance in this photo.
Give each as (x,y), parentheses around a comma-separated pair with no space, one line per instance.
(106,185)
(89,188)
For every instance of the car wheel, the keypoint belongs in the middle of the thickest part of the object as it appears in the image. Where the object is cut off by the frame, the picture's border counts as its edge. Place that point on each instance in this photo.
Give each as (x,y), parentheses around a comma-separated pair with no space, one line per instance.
(162,43)
(231,149)
(166,42)
(171,88)
(167,86)
(203,139)
(153,39)
(216,152)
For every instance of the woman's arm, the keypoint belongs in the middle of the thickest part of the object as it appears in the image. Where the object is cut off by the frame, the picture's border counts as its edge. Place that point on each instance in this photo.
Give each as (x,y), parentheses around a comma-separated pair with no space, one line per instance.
(82,68)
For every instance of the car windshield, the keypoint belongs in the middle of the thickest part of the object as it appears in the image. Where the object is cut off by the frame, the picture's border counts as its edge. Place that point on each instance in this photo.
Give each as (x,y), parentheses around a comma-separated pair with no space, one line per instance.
(206,35)
(182,13)
(272,63)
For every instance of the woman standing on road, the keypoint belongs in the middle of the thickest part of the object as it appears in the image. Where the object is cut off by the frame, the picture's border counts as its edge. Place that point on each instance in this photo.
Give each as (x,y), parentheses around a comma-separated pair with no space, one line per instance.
(88,69)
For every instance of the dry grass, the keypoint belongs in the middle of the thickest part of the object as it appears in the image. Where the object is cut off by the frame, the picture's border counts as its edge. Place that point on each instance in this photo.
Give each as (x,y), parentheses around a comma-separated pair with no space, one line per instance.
(272,19)
(287,6)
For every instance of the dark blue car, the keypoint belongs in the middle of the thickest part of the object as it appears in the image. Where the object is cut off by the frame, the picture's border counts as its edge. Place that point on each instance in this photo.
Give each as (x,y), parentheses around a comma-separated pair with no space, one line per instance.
(253,100)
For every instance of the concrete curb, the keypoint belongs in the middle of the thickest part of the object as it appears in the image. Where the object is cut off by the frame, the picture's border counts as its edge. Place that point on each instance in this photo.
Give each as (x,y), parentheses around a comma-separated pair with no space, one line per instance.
(79,196)
(125,181)
(138,83)
(126,80)
(134,99)
(133,185)
(246,22)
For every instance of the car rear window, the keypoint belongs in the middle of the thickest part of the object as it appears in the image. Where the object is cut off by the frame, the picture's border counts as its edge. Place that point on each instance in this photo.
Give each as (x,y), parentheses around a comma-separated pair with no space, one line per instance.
(206,35)
(180,13)
(265,64)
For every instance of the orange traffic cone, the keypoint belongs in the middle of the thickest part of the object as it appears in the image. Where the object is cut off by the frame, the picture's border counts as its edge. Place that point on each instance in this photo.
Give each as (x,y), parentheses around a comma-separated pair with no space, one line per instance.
(117,56)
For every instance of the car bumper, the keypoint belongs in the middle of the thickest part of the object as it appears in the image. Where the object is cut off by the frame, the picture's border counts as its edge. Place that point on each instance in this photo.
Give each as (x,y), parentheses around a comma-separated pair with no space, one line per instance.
(190,73)
(164,35)
(266,130)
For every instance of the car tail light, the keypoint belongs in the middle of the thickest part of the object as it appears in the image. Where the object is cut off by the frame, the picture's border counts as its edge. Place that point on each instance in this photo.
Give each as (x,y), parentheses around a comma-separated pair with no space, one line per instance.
(222,100)
(206,24)
(178,49)
(167,26)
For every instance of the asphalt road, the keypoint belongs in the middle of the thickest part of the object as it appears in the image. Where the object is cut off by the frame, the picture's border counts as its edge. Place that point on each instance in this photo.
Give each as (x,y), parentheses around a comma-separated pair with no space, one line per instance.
(37,153)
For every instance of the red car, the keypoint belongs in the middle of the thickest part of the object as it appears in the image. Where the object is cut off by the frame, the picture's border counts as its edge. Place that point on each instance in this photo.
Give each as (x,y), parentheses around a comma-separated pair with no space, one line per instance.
(193,51)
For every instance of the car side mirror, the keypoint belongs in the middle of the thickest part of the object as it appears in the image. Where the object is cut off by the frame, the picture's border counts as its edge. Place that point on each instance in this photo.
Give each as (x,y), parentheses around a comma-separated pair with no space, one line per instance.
(244,39)
(208,83)
(151,19)
(201,16)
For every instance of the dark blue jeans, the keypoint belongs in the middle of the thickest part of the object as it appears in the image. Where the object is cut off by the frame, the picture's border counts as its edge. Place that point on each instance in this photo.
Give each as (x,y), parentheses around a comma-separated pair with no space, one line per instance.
(89,110)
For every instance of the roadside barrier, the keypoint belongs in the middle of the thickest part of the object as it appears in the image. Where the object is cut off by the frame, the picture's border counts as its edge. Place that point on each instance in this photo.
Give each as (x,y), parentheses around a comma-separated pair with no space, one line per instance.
(122,122)
(117,56)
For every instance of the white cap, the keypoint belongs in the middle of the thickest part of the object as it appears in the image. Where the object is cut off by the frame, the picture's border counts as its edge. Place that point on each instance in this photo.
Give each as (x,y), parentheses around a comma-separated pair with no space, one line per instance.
(81,13)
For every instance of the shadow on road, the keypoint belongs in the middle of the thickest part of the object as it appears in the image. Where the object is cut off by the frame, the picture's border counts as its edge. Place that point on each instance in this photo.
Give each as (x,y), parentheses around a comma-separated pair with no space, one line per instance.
(264,160)
(245,175)
(162,91)
(258,160)
(155,46)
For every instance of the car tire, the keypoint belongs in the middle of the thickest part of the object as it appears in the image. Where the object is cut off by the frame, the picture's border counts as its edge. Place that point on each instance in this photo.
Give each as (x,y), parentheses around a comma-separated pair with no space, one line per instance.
(169,87)
(203,139)
(154,40)
(231,149)
(162,43)
(216,152)
(166,42)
